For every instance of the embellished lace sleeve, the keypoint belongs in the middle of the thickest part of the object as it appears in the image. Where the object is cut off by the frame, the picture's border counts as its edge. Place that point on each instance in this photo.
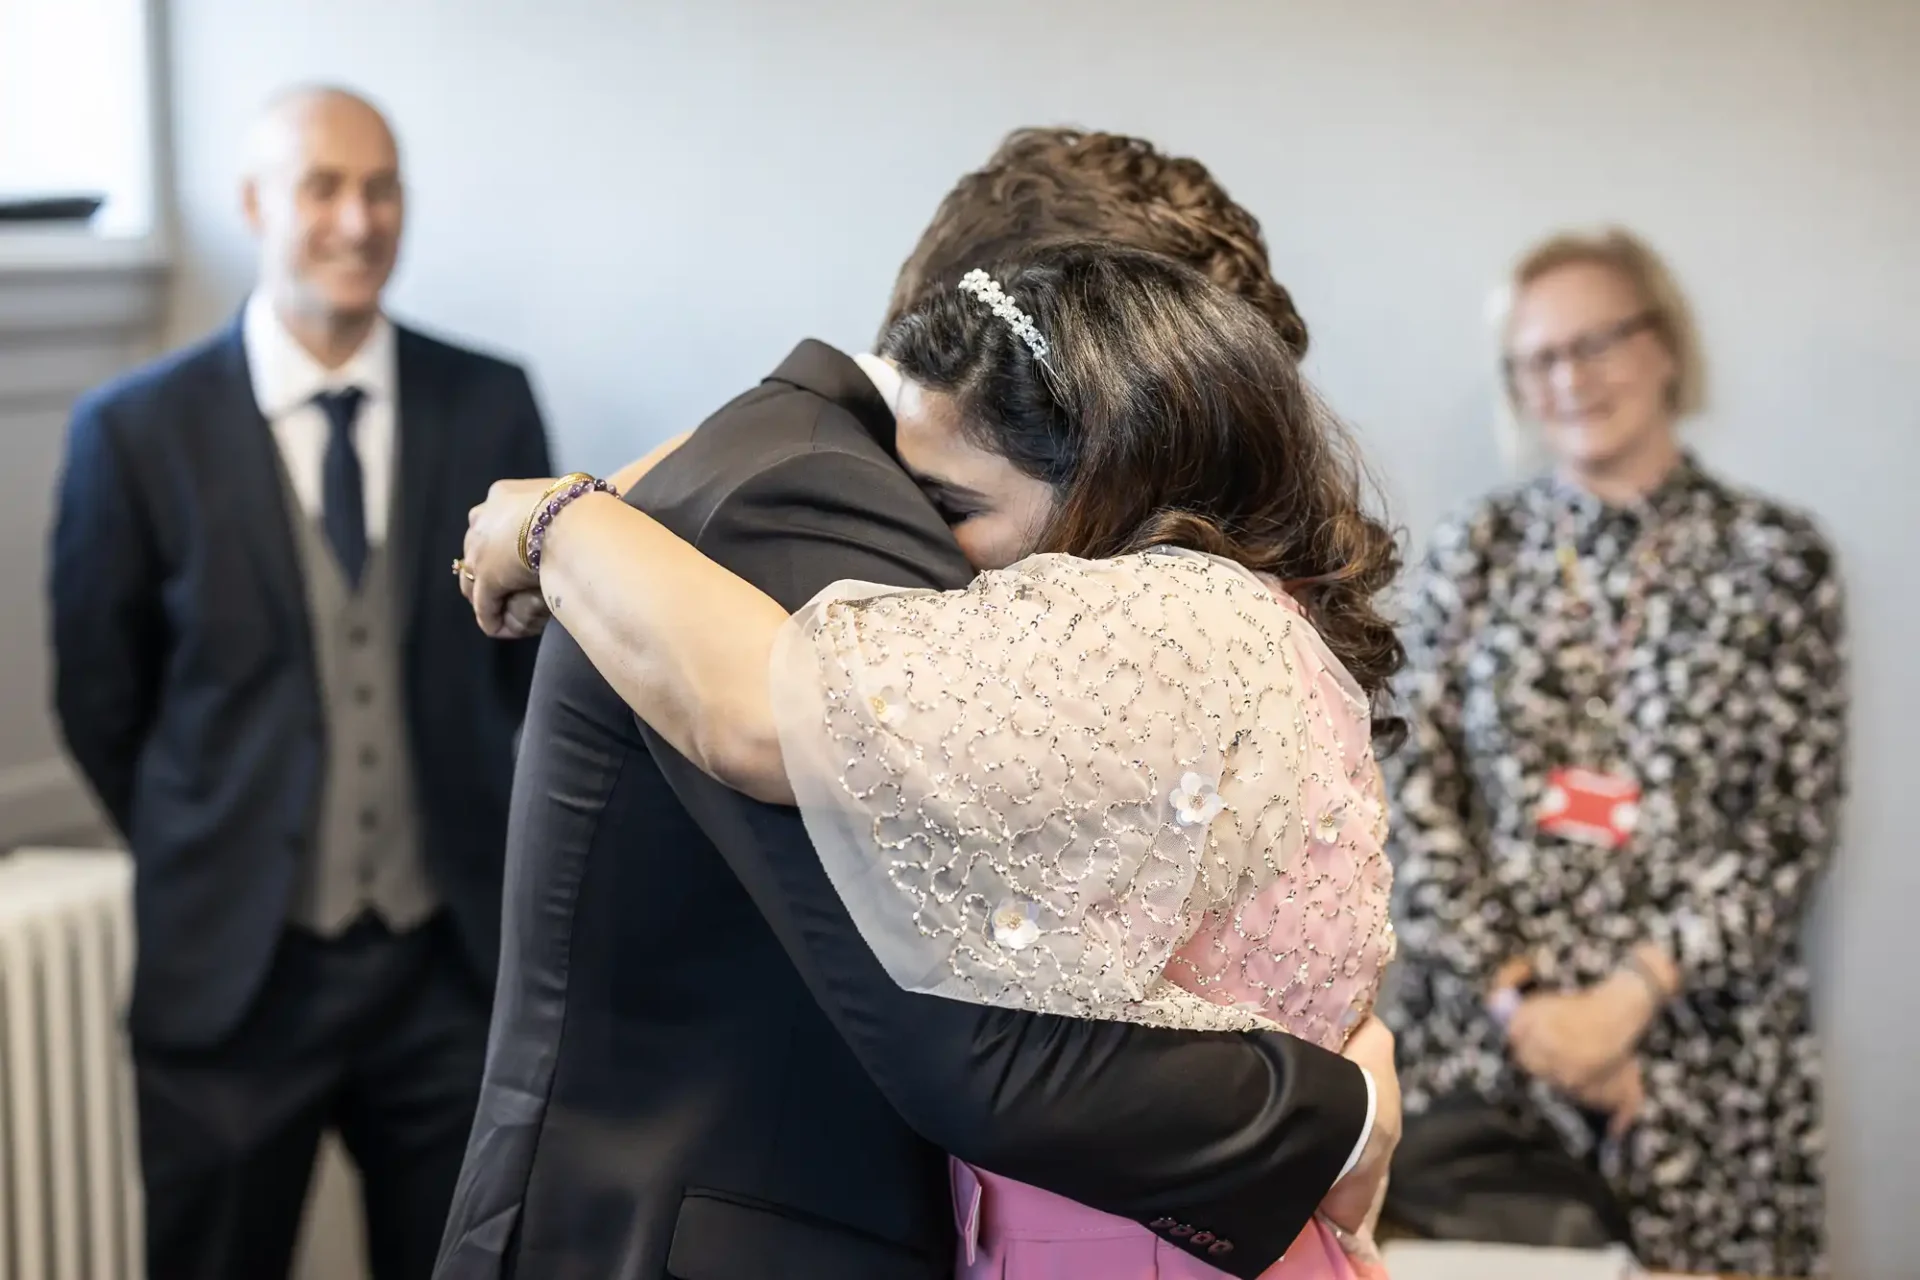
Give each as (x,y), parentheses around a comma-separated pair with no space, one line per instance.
(1035,791)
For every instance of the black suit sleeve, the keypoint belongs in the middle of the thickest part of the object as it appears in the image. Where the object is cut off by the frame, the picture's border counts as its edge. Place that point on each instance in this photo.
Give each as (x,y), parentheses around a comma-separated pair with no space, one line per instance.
(108,625)
(1238,1137)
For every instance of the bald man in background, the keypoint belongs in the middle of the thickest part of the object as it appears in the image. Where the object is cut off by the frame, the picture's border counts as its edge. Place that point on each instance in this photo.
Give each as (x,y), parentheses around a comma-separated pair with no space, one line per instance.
(288,713)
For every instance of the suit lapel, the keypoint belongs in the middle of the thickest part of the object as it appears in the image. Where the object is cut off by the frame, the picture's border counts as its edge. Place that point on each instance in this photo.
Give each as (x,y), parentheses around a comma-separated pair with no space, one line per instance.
(422,442)
(255,485)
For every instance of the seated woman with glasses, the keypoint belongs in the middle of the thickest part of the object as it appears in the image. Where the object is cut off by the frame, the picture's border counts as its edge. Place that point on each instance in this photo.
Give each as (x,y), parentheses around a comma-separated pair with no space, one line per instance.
(1624,777)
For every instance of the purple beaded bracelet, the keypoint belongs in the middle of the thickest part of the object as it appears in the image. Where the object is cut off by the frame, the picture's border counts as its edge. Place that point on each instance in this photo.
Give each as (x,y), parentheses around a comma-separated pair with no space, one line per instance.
(552,505)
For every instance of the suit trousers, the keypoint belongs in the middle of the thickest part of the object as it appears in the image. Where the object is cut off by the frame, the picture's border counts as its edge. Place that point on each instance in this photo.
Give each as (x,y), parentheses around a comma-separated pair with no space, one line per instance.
(380,1036)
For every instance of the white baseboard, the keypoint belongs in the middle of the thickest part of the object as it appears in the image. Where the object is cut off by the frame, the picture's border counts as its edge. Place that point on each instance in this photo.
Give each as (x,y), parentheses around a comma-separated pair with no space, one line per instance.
(44,799)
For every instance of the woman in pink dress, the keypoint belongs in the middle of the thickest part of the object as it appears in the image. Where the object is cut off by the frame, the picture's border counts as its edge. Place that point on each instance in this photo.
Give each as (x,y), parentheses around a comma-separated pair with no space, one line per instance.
(1129,772)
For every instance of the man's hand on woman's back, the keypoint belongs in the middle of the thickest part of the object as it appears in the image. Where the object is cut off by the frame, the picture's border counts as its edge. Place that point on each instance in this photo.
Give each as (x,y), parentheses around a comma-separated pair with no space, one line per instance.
(1354,1202)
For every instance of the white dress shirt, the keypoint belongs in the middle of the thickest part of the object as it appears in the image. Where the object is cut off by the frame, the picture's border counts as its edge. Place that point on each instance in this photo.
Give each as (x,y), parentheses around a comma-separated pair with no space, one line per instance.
(887,381)
(285,381)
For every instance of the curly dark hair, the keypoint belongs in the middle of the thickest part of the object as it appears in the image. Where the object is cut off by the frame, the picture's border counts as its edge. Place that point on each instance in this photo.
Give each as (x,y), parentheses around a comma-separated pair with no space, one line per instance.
(1167,413)
(1071,184)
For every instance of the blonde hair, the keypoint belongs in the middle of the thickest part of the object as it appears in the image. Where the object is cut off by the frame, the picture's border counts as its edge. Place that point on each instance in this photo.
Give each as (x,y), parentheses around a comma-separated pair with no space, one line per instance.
(1669,317)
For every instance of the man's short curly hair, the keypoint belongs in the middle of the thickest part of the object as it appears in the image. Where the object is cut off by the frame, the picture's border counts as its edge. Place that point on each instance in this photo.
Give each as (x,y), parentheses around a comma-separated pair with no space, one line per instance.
(1055,184)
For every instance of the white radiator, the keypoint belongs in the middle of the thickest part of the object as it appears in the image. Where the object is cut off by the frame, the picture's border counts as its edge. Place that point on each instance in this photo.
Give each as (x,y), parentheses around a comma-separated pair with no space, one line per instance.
(69,1152)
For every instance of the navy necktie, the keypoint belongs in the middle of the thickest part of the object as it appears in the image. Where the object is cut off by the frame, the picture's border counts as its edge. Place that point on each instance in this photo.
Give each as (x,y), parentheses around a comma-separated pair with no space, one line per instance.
(343,507)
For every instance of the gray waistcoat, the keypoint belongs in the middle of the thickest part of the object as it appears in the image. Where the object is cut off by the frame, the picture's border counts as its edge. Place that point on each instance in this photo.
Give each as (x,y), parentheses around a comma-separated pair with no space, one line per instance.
(365,852)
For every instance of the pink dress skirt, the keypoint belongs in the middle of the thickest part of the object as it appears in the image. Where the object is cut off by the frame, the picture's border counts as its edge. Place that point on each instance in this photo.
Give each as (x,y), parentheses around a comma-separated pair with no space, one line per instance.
(1011,1231)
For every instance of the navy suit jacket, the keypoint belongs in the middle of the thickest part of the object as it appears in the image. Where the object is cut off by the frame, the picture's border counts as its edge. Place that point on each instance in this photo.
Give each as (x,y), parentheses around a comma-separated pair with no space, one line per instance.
(184,673)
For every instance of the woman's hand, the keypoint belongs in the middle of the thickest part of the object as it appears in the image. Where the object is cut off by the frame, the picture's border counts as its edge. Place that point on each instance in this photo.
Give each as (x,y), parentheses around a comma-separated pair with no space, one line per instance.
(505,594)
(1576,1038)
(494,573)
(525,614)
(1619,1095)
(1503,994)
(1512,976)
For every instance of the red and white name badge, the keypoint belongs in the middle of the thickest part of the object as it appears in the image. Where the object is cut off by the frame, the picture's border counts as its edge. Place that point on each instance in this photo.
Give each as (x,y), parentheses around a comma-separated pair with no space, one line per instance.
(1590,807)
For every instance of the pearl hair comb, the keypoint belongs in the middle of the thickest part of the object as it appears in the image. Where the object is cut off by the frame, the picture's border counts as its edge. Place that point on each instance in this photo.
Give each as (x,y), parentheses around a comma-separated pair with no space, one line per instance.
(988,290)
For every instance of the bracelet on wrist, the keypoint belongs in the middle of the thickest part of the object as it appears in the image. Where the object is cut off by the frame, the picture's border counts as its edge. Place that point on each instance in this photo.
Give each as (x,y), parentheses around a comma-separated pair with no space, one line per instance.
(555,500)
(526,524)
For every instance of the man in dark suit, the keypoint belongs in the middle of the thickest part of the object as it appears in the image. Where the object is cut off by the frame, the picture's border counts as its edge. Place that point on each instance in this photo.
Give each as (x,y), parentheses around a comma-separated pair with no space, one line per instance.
(301,737)
(697,1067)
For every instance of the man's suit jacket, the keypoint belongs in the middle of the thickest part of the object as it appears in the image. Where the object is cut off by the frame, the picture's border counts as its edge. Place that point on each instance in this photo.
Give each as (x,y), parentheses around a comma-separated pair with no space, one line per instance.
(697,1068)
(184,677)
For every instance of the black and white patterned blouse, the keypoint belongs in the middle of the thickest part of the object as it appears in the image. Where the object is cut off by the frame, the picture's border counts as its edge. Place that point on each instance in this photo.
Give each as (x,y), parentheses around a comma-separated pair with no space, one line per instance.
(1729,697)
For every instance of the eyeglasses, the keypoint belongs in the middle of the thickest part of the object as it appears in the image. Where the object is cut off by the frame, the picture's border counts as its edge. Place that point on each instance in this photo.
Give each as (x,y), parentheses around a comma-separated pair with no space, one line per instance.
(1535,369)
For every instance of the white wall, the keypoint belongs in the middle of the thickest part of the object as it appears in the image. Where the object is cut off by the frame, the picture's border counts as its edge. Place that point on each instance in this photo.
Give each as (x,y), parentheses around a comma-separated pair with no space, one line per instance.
(650,201)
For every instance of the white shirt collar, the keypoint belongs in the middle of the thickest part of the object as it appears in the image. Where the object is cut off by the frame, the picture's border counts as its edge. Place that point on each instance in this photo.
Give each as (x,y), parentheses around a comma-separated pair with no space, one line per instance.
(285,376)
(885,378)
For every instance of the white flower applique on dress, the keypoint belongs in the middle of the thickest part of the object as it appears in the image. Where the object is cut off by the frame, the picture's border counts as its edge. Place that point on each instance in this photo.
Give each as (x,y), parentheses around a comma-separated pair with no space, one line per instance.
(1196,801)
(1016,924)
